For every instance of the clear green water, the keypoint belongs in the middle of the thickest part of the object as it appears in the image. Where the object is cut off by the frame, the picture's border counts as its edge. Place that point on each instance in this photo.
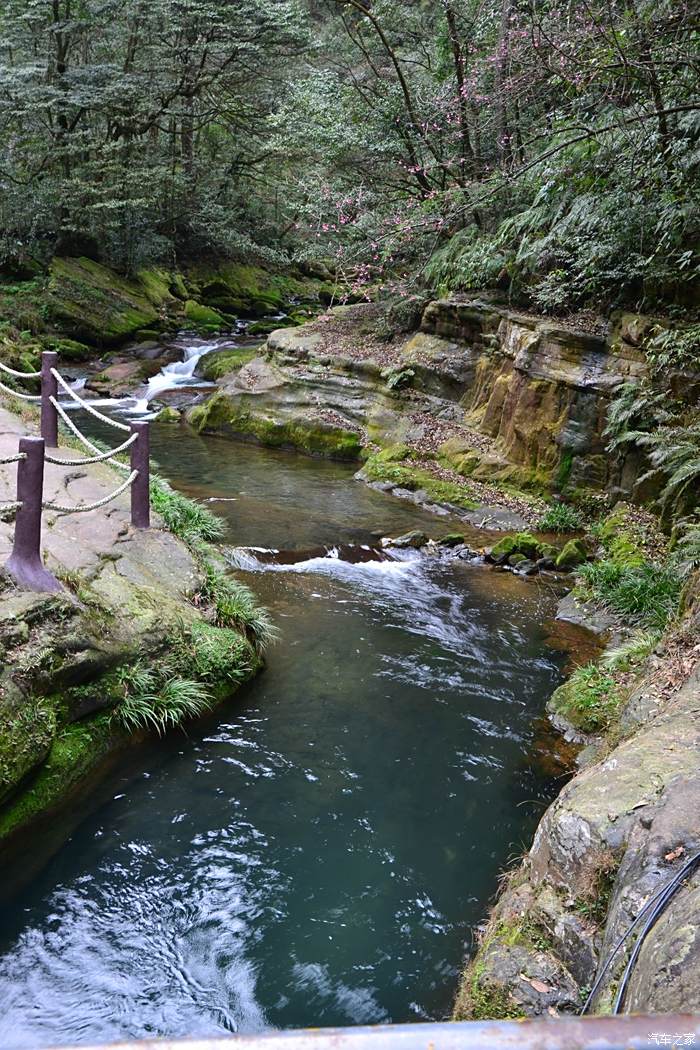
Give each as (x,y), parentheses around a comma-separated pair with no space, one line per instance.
(320,850)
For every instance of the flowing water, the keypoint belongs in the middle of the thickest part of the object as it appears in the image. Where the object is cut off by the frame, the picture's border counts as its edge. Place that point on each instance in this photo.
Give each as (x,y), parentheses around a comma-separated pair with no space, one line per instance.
(320,850)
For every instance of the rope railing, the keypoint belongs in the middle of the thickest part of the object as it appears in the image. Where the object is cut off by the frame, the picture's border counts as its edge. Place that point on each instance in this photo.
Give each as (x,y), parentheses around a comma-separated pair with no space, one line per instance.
(86,441)
(99,458)
(20,375)
(85,404)
(81,508)
(25,563)
(18,393)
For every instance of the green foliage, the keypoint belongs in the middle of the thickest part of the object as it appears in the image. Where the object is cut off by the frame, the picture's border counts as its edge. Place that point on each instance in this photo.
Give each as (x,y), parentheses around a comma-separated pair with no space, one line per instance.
(470,259)
(183,516)
(154,698)
(686,554)
(674,453)
(398,378)
(560,517)
(632,652)
(646,594)
(236,606)
(674,348)
(589,699)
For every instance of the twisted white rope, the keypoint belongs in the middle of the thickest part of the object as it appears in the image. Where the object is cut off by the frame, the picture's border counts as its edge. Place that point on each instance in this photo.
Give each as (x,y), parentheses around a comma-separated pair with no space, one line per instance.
(13,459)
(7,504)
(83,404)
(97,504)
(20,375)
(91,459)
(16,393)
(81,437)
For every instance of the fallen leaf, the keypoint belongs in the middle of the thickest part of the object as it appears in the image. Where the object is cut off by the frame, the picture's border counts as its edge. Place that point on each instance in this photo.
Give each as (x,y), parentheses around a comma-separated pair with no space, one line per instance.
(538,985)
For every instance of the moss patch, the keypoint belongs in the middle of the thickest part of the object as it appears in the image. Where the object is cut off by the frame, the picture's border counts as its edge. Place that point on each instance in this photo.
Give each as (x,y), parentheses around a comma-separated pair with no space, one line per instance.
(220,363)
(222,414)
(91,302)
(203,316)
(25,738)
(76,749)
(393,465)
(589,700)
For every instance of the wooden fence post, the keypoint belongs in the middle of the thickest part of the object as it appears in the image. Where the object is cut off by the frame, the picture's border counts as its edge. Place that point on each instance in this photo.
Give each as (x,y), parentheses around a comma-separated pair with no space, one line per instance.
(24,564)
(140,488)
(49,389)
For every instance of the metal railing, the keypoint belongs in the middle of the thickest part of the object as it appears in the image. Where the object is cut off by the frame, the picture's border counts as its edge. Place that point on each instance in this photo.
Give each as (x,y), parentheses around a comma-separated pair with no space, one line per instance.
(561,1033)
(25,564)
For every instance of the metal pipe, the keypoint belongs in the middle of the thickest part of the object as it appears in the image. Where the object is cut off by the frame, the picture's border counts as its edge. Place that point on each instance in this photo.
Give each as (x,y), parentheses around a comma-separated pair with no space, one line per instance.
(49,389)
(562,1033)
(140,489)
(24,564)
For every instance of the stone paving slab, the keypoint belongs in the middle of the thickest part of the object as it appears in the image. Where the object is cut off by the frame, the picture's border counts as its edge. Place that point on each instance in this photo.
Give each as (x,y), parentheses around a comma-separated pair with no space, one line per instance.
(86,542)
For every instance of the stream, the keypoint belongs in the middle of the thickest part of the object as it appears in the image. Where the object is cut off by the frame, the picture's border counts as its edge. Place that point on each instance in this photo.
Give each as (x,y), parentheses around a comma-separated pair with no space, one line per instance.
(321,849)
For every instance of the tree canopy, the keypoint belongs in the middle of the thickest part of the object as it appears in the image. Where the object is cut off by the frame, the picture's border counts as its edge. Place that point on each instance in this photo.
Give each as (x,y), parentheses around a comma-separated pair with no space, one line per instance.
(545,147)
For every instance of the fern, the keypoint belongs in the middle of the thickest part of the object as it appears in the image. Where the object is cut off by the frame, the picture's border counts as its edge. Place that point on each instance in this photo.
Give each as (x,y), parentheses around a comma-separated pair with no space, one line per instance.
(675,452)
(686,557)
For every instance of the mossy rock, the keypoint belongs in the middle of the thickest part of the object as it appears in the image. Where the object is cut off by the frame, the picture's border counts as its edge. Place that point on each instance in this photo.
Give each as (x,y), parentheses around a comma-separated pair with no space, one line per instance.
(168,415)
(156,286)
(69,349)
(243,288)
(203,317)
(222,414)
(393,465)
(76,750)
(177,286)
(265,327)
(621,538)
(522,543)
(26,735)
(220,363)
(572,554)
(453,539)
(91,302)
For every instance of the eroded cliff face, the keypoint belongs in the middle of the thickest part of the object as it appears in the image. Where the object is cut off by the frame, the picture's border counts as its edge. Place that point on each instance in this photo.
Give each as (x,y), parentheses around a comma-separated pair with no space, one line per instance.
(539,390)
(527,397)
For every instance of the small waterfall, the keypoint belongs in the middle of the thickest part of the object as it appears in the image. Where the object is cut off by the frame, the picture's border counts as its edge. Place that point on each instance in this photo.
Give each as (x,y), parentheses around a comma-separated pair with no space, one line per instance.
(179,373)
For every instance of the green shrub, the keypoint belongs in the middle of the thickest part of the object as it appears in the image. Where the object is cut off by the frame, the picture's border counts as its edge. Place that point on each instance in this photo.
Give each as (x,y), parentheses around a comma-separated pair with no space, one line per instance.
(236,606)
(560,517)
(647,594)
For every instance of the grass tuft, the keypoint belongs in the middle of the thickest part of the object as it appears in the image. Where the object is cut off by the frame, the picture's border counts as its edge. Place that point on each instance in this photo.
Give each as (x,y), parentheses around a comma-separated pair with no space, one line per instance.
(560,517)
(184,517)
(647,594)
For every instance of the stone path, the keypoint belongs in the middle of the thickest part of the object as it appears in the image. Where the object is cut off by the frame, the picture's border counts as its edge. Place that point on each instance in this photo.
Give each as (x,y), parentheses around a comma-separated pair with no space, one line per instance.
(100,542)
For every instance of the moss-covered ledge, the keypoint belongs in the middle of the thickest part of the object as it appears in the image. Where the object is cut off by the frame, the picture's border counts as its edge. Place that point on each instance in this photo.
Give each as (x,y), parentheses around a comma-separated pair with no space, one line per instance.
(150,632)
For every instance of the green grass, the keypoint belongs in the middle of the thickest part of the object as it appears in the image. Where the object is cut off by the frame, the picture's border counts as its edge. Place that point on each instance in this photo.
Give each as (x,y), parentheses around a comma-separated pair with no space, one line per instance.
(184,517)
(235,606)
(154,698)
(589,699)
(647,595)
(560,517)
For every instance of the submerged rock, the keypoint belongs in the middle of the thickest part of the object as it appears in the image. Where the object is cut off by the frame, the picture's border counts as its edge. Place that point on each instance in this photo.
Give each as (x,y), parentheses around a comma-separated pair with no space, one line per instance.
(415,539)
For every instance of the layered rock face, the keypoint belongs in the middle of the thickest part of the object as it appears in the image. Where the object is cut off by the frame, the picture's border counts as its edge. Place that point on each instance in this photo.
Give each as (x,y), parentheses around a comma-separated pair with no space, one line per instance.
(540,390)
(536,391)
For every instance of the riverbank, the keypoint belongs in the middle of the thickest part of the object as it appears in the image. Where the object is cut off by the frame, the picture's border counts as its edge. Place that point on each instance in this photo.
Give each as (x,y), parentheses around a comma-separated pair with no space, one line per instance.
(628,820)
(146,632)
